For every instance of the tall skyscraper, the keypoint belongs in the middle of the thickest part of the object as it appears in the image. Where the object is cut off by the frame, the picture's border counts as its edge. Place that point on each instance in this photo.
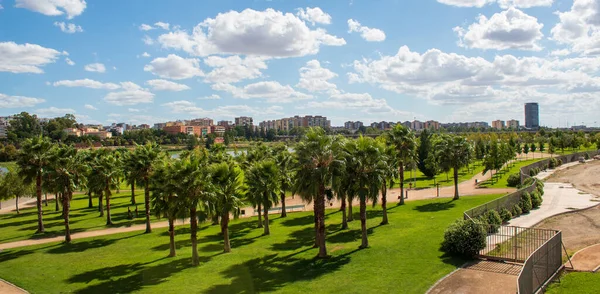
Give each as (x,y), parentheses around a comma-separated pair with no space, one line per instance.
(532,115)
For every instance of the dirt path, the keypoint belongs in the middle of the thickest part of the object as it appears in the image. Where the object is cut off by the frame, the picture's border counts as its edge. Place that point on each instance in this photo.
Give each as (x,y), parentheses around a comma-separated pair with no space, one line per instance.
(8,288)
(587,259)
(480,277)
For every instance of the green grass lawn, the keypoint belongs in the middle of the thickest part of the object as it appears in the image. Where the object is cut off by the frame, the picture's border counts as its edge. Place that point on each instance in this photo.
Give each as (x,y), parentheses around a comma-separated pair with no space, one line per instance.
(499,179)
(15,227)
(404,257)
(576,283)
(443,179)
(8,164)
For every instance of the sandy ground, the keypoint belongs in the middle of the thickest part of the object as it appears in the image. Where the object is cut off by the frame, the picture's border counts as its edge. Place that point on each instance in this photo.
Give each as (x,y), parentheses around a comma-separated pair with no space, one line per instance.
(583,176)
(481,277)
(6,288)
(587,259)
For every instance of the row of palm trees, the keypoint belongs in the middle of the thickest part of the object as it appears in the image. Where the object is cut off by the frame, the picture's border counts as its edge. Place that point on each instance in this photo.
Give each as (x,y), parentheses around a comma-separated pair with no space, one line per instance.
(214,185)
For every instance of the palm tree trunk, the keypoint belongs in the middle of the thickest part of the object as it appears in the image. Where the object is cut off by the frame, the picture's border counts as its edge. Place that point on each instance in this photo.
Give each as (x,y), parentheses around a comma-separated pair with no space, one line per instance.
(108,218)
(225,230)
(260,223)
(46,198)
(147,205)
(384,221)
(38,193)
(17,204)
(350,216)
(56,200)
(133,194)
(193,234)
(266,212)
(401,171)
(66,209)
(100,205)
(316,245)
(455,183)
(343,209)
(363,222)
(320,209)
(172,252)
(283,212)
(90,202)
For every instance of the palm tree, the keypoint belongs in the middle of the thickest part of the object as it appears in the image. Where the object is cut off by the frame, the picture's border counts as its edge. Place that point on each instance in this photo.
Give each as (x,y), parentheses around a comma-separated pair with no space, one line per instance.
(264,184)
(130,173)
(193,189)
(68,173)
(141,161)
(405,144)
(165,202)
(342,179)
(317,163)
(389,160)
(453,152)
(229,189)
(285,162)
(103,178)
(369,175)
(33,159)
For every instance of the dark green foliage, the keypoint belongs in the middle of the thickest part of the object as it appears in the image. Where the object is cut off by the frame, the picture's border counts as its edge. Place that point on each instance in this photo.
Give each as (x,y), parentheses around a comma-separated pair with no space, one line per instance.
(464,238)
(534,171)
(553,163)
(525,202)
(494,220)
(506,215)
(536,199)
(514,179)
(586,156)
(516,211)
(423,152)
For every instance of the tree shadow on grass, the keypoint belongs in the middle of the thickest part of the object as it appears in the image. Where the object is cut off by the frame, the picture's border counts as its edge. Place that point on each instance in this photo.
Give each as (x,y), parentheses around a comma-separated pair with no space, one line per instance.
(128,278)
(434,207)
(80,246)
(299,221)
(298,239)
(452,260)
(12,254)
(272,272)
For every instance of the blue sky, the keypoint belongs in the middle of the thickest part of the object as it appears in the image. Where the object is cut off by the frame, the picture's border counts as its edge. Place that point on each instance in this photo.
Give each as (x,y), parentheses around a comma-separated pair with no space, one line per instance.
(142,61)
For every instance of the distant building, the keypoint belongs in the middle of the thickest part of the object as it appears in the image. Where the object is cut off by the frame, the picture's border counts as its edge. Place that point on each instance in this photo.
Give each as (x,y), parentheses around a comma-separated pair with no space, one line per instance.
(532,115)
(498,124)
(243,121)
(467,125)
(353,125)
(4,124)
(432,125)
(416,125)
(225,123)
(512,124)
(202,122)
(218,130)
(189,130)
(73,132)
(100,134)
(143,126)
(159,126)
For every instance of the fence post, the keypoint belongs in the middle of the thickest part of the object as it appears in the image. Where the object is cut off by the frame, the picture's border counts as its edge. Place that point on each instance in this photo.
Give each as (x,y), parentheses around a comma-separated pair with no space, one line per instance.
(515,242)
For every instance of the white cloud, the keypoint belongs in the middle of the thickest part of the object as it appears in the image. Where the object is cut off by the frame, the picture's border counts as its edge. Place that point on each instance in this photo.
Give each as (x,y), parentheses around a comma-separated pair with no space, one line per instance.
(86,83)
(69,28)
(502,3)
(145,27)
(579,27)
(90,107)
(233,69)
(354,101)
(562,52)
(69,61)
(315,78)
(147,40)
(211,97)
(369,34)
(250,32)
(54,7)
(162,25)
(133,110)
(53,111)
(164,85)
(314,15)
(273,91)
(509,29)
(1,7)
(7,101)
(131,94)
(95,67)
(25,58)
(175,67)
(145,54)
(228,111)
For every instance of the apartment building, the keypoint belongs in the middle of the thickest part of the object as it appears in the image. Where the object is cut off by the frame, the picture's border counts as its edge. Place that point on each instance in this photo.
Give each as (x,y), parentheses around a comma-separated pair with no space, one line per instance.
(244,121)
(513,124)
(353,125)
(202,122)
(498,124)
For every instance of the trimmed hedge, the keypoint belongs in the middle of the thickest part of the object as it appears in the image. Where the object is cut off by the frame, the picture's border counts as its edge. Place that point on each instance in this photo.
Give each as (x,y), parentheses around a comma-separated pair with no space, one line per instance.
(494,220)
(536,199)
(464,238)
(506,215)
(525,202)
(514,180)
(517,211)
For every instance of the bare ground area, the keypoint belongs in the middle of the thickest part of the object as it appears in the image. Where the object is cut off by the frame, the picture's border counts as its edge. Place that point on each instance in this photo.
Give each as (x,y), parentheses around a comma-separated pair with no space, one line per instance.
(6,288)
(587,259)
(583,177)
(480,277)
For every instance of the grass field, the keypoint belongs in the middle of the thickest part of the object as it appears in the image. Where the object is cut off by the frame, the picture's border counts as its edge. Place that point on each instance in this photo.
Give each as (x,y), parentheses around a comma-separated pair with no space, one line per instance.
(499,179)
(576,283)
(404,257)
(422,181)
(15,227)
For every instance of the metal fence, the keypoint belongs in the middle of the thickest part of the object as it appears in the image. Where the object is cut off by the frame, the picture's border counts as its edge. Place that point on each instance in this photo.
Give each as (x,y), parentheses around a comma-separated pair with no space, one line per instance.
(507,202)
(516,244)
(541,266)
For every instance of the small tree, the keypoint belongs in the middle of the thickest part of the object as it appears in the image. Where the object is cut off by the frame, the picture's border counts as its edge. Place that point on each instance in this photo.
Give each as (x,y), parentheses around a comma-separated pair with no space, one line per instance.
(526,150)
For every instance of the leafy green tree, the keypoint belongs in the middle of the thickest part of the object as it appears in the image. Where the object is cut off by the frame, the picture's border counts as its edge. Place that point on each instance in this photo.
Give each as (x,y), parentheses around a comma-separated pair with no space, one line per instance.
(423,153)
(103,177)
(23,126)
(532,147)
(285,163)
(12,185)
(526,149)
(493,159)
(317,163)
(35,155)
(229,189)
(264,185)
(453,152)
(404,142)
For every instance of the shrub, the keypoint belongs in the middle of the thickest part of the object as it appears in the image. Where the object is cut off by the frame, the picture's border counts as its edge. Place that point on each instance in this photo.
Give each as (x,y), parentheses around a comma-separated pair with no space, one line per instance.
(553,163)
(536,199)
(494,220)
(525,202)
(506,215)
(514,179)
(586,156)
(516,211)
(464,238)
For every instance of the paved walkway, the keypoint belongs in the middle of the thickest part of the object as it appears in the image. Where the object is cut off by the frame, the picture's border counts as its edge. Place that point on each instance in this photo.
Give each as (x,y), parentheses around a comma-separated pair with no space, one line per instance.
(480,277)
(8,288)
(586,259)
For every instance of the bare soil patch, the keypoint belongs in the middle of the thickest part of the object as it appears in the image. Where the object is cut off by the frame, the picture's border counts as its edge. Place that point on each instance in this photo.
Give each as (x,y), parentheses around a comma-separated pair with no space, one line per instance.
(587,259)
(481,277)
(583,176)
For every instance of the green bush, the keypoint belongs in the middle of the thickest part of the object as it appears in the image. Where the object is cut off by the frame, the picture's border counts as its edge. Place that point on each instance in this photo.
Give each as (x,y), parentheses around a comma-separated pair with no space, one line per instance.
(553,163)
(536,199)
(586,156)
(494,220)
(525,202)
(506,215)
(514,179)
(516,211)
(464,238)
(526,183)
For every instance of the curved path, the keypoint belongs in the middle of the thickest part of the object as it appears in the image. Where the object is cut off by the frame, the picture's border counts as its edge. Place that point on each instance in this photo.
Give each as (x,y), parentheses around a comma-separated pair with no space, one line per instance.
(587,259)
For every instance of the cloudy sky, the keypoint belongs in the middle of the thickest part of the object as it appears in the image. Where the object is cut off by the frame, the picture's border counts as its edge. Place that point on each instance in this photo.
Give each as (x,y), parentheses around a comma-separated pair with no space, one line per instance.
(140,61)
